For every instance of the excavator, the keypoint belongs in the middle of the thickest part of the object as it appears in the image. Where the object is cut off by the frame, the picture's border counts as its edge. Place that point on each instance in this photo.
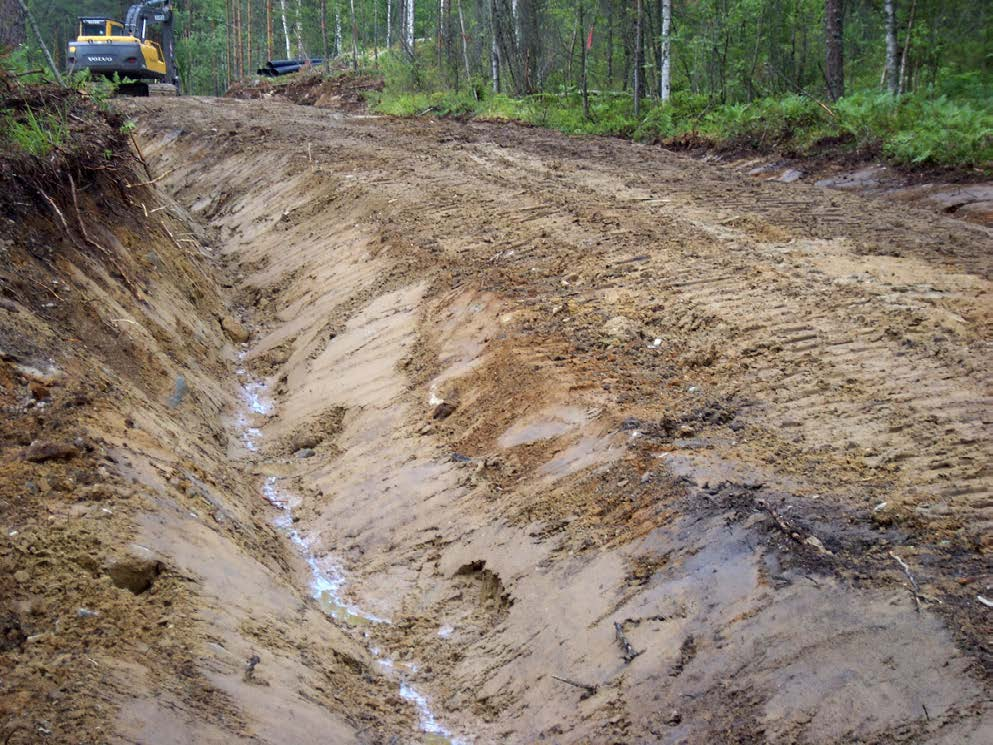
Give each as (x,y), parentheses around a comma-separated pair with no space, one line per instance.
(123,51)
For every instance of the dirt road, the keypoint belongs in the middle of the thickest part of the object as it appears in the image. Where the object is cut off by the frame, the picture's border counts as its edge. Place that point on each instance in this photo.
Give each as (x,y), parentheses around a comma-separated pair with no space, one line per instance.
(574,440)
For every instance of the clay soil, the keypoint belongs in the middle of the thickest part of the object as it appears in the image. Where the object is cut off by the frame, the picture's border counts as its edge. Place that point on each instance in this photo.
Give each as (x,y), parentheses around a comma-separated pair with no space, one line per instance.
(598,443)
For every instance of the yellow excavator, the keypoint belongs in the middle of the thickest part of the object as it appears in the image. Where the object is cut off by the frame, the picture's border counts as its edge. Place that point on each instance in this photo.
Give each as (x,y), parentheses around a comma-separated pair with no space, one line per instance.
(112,49)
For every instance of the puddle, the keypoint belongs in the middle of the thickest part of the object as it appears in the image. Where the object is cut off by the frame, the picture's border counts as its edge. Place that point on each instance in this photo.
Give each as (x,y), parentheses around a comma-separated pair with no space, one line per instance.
(327,578)
(436,734)
(257,405)
(588,451)
(550,423)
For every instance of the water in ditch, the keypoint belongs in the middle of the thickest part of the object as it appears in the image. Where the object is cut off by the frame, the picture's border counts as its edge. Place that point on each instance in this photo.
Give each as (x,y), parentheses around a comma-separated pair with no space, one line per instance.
(327,577)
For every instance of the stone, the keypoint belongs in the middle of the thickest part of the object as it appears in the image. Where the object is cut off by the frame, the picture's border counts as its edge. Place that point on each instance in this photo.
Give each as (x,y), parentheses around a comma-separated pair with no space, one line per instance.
(49,376)
(40,451)
(39,391)
(180,389)
(235,330)
(305,453)
(443,410)
(305,441)
(790,175)
(621,328)
(136,571)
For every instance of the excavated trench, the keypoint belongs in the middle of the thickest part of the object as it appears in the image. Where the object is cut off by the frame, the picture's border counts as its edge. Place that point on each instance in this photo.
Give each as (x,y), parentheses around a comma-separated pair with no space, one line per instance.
(440,434)
(328,581)
(432,520)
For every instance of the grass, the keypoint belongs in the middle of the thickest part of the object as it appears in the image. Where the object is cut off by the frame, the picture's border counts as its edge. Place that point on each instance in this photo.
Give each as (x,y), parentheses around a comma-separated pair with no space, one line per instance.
(36,135)
(912,130)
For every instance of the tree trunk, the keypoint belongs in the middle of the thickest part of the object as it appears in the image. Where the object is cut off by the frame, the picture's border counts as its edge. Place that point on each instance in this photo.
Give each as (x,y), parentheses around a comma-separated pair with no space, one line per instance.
(301,54)
(440,31)
(389,23)
(494,48)
(891,73)
(834,32)
(465,50)
(12,30)
(906,47)
(251,64)
(228,47)
(409,28)
(355,39)
(268,29)
(582,41)
(637,59)
(610,43)
(665,66)
(324,36)
(41,42)
(286,27)
(239,50)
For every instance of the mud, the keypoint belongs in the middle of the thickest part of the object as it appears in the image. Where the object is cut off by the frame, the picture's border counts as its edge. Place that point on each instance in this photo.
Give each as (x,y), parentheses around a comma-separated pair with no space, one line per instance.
(535,438)
(966,194)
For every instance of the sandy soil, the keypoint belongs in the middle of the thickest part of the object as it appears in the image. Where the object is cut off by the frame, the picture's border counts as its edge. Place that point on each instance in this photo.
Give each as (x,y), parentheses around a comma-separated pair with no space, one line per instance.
(545,438)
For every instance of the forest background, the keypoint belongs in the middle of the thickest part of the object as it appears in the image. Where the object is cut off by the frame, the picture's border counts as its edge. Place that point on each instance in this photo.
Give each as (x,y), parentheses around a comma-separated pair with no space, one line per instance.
(910,81)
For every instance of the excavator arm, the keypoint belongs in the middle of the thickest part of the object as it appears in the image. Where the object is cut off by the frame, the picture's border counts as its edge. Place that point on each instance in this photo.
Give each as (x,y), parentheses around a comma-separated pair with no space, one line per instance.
(158,12)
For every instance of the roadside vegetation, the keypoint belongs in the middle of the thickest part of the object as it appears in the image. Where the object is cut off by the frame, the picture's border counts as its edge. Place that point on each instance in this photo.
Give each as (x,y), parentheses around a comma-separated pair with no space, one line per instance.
(911,130)
(909,81)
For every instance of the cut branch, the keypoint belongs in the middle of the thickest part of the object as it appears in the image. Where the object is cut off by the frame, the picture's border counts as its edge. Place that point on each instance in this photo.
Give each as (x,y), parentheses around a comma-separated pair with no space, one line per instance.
(590,689)
(624,644)
(915,589)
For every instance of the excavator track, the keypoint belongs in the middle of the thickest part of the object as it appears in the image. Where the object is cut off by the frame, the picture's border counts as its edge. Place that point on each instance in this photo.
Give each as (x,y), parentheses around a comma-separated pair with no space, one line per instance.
(162,89)
(144,90)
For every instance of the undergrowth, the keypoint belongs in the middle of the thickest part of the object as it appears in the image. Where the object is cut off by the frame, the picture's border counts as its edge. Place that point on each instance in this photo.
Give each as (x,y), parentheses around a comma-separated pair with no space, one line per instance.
(911,130)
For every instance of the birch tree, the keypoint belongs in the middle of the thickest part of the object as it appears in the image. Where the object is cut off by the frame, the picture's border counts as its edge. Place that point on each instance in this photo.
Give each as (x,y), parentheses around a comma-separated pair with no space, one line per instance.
(409,27)
(665,64)
(494,48)
(890,70)
(286,28)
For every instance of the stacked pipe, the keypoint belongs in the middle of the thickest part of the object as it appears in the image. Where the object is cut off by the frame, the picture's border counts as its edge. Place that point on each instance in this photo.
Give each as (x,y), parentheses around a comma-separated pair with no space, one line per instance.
(276,67)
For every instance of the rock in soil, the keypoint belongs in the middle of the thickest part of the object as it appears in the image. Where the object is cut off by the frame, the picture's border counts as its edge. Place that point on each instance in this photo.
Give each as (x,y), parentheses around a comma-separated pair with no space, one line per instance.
(235,330)
(39,451)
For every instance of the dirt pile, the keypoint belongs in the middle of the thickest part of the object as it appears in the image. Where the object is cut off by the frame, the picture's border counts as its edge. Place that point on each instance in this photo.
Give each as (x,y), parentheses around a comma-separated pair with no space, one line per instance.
(343,91)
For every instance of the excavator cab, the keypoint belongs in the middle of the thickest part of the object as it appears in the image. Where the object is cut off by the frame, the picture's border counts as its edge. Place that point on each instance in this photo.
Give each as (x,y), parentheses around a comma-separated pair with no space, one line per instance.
(94,29)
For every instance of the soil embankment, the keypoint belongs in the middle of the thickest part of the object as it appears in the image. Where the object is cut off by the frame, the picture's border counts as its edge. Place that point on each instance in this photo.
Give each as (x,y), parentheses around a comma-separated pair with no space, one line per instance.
(493,435)
(140,568)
